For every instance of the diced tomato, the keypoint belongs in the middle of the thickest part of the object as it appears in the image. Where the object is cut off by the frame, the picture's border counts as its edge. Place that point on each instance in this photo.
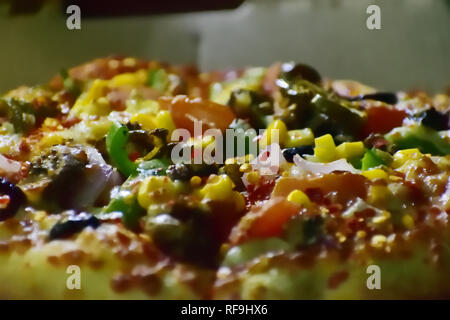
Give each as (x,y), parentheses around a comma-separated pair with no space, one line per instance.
(134,155)
(185,111)
(269,82)
(4,201)
(382,120)
(265,221)
(259,192)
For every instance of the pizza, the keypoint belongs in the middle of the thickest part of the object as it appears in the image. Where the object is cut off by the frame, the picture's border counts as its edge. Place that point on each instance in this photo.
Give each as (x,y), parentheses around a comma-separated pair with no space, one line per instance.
(130,179)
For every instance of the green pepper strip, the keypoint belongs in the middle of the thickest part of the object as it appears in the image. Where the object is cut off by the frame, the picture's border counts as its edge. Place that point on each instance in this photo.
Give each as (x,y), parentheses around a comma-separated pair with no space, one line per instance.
(371,160)
(425,139)
(158,79)
(116,140)
(131,211)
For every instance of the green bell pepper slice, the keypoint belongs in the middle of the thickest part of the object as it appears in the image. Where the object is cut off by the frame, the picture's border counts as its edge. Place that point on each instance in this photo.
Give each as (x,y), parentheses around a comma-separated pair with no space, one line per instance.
(116,140)
(371,159)
(423,138)
(130,208)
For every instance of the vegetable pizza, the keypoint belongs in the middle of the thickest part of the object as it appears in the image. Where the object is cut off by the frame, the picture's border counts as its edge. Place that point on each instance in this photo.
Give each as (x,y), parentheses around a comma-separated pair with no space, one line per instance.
(158,181)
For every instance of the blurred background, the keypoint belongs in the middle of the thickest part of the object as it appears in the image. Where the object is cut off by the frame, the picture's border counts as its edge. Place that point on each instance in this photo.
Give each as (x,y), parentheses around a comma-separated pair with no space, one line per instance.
(411,50)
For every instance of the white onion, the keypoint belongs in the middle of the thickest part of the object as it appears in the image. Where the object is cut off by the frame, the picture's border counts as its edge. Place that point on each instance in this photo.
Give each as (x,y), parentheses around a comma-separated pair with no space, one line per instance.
(323,168)
(97,175)
(9,166)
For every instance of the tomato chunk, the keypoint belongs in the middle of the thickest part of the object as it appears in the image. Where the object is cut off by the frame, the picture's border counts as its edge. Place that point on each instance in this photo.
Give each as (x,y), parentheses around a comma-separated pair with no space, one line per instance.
(382,120)
(265,221)
(185,111)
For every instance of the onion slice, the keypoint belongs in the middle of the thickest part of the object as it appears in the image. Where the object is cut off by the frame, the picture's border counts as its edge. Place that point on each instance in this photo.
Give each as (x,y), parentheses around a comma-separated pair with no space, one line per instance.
(9,166)
(324,168)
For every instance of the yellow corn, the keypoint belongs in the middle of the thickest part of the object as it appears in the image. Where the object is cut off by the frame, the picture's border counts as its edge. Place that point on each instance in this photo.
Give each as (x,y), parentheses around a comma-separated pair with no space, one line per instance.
(325,149)
(164,120)
(252,177)
(239,160)
(195,181)
(299,197)
(375,174)
(276,133)
(349,150)
(378,194)
(300,137)
(130,79)
(85,104)
(50,139)
(218,188)
(361,234)
(378,241)
(402,156)
(246,167)
(408,221)
(155,189)
(146,121)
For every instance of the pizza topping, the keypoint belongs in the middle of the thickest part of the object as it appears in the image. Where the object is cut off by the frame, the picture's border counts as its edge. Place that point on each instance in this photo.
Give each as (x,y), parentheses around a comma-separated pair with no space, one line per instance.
(434,119)
(74,224)
(355,181)
(425,139)
(71,177)
(386,97)
(12,198)
(185,233)
(289,153)
(320,168)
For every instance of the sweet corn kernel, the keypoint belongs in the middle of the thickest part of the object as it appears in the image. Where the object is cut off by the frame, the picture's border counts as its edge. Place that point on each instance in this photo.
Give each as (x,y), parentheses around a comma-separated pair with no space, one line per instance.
(218,188)
(50,123)
(146,121)
(50,139)
(299,197)
(402,156)
(130,79)
(238,200)
(395,178)
(164,120)
(325,149)
(300,137)
(238,160)
(246,167)
(276,133)
(385,216)
(350,149)
(378,194)
(85,103)
(195,181)
(97,90)
(341,238)
(252,177)
(408,221)
(40,216)
(375,174)
(361,234)
(378,241)
(155,189)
